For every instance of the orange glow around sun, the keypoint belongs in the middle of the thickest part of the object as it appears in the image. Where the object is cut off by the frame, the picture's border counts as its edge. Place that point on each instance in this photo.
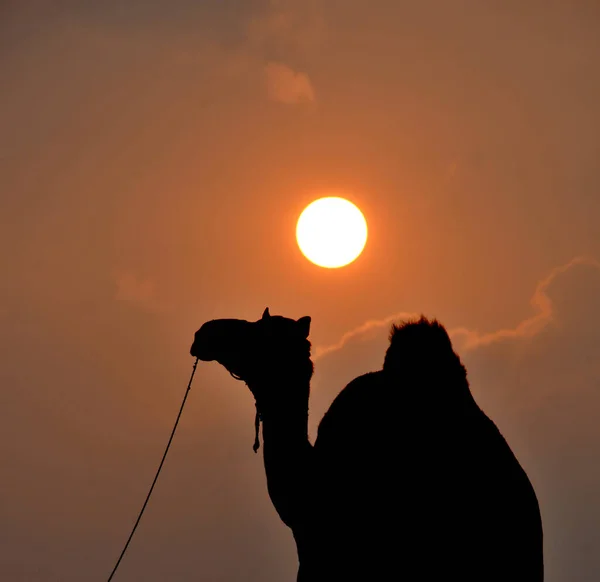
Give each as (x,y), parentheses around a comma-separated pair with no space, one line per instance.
(331,232)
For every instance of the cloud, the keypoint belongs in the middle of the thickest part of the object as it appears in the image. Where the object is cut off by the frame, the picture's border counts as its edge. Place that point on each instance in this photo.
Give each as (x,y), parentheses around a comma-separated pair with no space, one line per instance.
(471,339)
(285,85)
(361,330)
(285,31)
(290,26)
(138,291)
(540,301)
(540,384)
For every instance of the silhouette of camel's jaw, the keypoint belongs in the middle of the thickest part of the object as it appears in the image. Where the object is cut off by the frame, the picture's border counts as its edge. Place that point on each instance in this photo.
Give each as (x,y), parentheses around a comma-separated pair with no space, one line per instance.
(222,340)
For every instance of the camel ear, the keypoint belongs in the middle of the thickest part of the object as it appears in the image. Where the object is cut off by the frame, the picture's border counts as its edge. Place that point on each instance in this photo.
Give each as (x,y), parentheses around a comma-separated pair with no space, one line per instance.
(304,325)
(266,314)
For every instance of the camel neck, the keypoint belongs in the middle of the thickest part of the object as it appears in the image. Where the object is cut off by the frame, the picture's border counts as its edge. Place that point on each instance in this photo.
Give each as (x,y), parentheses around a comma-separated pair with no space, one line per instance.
(283,405)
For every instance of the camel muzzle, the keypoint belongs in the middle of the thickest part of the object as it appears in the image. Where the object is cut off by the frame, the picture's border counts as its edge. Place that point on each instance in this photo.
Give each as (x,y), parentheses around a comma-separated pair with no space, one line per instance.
(219,339)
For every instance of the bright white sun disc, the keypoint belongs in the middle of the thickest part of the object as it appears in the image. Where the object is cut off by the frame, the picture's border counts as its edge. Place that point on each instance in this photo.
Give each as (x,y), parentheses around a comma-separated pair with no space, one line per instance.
(331,232)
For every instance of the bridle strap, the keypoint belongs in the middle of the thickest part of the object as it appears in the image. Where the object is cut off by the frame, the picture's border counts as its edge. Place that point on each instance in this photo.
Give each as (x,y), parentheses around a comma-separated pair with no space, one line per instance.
(257,418)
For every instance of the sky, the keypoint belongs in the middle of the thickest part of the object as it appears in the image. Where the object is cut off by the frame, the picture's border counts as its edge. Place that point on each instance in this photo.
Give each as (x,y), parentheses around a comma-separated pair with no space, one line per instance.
(154,159)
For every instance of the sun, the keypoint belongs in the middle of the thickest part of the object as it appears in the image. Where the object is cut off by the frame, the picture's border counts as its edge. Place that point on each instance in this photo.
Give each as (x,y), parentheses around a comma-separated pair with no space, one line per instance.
(331,232)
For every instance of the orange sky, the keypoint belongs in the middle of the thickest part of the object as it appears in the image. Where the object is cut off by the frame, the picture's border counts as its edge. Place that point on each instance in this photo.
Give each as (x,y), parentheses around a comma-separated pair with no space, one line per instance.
(154,158)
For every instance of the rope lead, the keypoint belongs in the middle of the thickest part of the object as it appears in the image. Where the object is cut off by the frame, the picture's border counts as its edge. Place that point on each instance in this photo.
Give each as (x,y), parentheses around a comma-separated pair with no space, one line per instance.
(157,473)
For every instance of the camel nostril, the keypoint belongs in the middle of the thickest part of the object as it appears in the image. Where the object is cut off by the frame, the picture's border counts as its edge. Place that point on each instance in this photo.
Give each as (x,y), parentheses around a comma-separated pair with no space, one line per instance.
(201,352)
(218,339)
(204,342)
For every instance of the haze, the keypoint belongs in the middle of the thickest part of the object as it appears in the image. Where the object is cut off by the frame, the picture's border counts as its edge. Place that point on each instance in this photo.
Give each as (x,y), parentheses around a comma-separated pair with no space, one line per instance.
(154,159)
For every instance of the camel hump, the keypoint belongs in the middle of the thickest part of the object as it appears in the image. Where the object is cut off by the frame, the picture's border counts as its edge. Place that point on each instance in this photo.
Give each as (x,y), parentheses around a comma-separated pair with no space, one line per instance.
(422,347)
(418,340)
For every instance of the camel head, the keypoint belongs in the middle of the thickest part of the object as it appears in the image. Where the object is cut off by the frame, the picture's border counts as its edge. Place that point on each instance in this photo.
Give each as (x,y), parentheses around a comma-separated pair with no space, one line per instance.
(256,351)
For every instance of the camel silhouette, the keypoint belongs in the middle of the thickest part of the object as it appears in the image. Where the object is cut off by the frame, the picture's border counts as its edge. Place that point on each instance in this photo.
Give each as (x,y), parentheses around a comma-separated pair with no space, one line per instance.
(408,479)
